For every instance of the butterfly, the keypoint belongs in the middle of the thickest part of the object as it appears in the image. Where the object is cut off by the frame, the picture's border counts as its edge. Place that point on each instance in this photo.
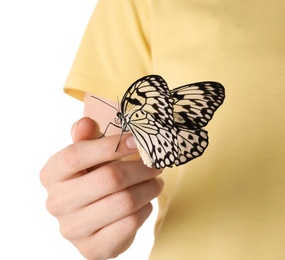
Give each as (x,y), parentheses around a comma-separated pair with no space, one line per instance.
(167,125)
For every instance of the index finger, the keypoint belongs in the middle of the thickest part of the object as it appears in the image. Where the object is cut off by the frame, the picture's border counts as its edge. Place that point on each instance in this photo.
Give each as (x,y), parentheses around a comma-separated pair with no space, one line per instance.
(85,154)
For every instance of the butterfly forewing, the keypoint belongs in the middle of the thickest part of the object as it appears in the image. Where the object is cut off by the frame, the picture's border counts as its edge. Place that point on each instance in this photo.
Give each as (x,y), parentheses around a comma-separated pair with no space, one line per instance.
(195,104)
(148,105)
(150,94)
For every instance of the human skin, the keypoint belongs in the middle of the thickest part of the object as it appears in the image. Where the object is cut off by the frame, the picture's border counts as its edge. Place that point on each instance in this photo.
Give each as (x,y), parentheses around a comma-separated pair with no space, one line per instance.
(100,197)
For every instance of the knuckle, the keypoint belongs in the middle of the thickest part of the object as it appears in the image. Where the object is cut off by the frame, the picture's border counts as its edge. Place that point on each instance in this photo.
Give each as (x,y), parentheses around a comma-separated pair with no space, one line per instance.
(114,253)
(70,228)
(69,156)
(127,201)
(53,205)
(87,253)
(155,188)
(133,222)
(113,176)
(130,224)
(43,176)
(95,253)
(67,231)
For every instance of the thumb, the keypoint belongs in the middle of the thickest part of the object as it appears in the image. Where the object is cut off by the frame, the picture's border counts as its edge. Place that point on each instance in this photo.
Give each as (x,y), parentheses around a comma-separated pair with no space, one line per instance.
(85,129)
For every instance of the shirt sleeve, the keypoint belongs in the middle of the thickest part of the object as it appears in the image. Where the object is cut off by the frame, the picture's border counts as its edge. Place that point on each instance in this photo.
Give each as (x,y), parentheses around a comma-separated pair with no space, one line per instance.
(114,51)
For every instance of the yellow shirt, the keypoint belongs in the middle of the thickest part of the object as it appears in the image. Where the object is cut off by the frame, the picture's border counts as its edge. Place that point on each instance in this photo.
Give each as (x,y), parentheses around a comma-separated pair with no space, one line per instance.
(229,203)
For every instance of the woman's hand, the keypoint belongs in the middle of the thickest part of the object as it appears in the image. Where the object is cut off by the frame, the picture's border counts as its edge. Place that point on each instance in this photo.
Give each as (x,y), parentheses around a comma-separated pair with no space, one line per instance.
(99,200)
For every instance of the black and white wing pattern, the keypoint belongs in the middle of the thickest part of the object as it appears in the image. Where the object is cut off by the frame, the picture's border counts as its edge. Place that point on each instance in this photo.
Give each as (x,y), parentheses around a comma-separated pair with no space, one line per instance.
(192,144)
(194,106)
(147,112)
(168,125)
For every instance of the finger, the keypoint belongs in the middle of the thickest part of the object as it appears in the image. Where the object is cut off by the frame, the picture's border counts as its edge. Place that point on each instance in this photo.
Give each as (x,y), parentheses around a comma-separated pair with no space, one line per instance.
(95,216)
(82,155)
(122,233)
(97,184)
(85,129)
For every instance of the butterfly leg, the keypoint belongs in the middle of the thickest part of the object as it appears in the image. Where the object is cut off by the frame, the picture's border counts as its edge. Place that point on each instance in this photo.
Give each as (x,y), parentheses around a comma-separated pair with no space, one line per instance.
(110,123)
(119,141)
(123,130)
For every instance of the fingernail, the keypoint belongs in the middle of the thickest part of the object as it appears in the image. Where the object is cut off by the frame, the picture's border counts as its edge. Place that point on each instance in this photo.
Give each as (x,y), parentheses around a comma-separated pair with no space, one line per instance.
(131,143)
(73,128)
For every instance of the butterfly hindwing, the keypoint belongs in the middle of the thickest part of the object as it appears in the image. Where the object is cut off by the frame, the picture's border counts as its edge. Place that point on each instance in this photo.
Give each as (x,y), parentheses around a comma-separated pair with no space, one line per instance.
(192,144)
(158,140)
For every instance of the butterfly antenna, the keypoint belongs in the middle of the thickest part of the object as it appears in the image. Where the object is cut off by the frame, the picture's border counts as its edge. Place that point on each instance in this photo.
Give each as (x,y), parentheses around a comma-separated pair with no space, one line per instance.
(105,102)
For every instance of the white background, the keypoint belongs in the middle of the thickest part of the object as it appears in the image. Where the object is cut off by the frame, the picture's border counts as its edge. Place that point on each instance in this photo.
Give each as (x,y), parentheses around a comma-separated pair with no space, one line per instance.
(38,41)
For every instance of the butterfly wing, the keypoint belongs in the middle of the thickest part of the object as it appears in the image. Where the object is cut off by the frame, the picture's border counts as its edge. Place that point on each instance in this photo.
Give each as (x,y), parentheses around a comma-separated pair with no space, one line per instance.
(148,105)
(192,144)
(168,124)
(150,94)
(195,104)
(158,140)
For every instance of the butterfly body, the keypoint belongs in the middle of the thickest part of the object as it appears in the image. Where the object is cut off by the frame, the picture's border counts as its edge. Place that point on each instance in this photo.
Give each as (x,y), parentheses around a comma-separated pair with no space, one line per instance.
(168,124)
